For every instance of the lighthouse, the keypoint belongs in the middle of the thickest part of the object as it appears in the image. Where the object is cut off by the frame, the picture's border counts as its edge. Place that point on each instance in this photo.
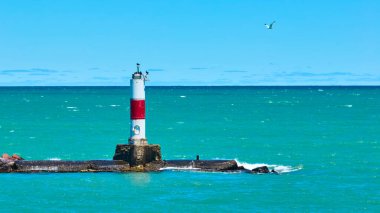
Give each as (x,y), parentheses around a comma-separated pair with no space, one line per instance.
(138,153)
(137,107)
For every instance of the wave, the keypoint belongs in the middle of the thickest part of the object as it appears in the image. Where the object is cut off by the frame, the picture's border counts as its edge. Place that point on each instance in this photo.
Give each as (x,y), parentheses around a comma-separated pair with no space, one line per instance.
(278,168)
(249,166)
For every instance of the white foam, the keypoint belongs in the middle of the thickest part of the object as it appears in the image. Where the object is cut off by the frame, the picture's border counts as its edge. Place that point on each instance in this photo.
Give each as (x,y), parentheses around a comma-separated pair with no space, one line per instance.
(71,107)
(348,105)
(277,168)
(54,159)
(114,105)
(320,90)
(44,168)
(183,96)
(179,168)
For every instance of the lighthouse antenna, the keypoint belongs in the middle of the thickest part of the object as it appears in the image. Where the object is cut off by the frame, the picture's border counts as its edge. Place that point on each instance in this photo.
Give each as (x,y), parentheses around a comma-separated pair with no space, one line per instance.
(138,67)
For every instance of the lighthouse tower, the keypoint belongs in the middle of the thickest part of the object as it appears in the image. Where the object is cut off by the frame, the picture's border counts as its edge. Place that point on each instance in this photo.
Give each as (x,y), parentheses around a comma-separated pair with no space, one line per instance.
(138,108)
(138,153)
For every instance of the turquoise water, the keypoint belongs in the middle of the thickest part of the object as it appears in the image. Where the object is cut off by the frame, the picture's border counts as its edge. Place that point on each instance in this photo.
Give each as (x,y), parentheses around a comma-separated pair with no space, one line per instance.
(324,140)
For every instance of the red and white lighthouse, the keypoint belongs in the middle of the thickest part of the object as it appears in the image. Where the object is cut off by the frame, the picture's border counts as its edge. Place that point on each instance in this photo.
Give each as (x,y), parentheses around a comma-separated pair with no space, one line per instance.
(138,108)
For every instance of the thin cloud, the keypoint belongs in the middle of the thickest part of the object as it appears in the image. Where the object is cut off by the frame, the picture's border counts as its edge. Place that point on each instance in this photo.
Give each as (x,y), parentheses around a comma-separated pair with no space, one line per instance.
(101,78)
(321,80)
(198,68)
(33,70)
(367,79)
(235,71)
(310,74)
(39,74)
(155,70)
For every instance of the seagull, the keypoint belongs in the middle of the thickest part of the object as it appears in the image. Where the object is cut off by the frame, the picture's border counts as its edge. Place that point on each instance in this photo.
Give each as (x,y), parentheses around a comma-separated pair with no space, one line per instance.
(270,26)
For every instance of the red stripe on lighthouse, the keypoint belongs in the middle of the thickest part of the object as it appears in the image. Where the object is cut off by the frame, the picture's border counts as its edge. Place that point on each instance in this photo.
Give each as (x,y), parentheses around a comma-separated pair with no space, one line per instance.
(137,109)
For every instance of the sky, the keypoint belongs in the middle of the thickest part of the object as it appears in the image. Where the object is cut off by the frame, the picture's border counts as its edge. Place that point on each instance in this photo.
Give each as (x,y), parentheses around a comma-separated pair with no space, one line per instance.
(189,42)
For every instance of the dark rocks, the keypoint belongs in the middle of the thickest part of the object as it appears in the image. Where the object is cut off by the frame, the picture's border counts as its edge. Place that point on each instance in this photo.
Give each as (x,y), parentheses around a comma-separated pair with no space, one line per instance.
(127,158)
(204,165)
(6,165)
(138,155)
(241,168)
(25,166)
(72,166)
(261,169)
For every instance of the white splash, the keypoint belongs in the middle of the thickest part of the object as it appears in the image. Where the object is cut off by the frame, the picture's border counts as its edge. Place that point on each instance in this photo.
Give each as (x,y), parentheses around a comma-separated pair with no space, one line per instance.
(348,105)
(183,96)
(179,168)
(278,168)
(44,168)
(54,159)
(114,105)
(72,108)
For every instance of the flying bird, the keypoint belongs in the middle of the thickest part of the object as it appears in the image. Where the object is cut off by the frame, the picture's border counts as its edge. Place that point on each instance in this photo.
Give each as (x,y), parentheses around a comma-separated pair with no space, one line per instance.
(270,26)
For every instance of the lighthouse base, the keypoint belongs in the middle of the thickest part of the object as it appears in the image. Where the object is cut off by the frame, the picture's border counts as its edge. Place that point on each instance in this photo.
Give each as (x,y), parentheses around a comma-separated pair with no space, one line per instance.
(138,155)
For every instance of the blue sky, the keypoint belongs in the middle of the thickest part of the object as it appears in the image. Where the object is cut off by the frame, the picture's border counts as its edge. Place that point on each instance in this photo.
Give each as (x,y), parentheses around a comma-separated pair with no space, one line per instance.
(197,42)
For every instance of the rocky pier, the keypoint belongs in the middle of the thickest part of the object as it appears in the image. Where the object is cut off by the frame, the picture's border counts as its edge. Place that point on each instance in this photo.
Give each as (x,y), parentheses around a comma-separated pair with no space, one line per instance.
(127,158)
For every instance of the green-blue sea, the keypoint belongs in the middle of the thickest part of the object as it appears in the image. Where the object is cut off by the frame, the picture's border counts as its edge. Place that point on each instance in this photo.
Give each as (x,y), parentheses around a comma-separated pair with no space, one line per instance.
(324,141)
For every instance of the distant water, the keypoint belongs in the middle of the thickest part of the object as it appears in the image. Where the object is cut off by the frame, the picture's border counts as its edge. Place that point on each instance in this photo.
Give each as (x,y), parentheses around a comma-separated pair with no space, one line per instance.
(324,140)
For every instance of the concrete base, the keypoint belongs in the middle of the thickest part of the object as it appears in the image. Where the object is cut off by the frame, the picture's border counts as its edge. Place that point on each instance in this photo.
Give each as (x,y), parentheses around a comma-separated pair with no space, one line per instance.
(138,155)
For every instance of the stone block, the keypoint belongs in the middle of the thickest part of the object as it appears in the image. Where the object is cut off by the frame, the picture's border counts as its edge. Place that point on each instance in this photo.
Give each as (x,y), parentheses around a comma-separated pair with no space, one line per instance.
(138,154)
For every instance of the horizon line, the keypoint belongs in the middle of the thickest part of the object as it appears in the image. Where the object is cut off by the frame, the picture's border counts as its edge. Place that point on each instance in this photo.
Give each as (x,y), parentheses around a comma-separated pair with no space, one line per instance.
(369,85)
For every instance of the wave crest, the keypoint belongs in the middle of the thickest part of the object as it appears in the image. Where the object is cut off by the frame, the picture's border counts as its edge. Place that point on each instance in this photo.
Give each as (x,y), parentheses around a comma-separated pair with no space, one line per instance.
(278,168)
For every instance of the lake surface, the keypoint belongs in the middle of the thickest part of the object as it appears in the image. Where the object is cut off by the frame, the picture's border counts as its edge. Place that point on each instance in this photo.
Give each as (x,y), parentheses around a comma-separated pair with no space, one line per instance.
(324,141)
